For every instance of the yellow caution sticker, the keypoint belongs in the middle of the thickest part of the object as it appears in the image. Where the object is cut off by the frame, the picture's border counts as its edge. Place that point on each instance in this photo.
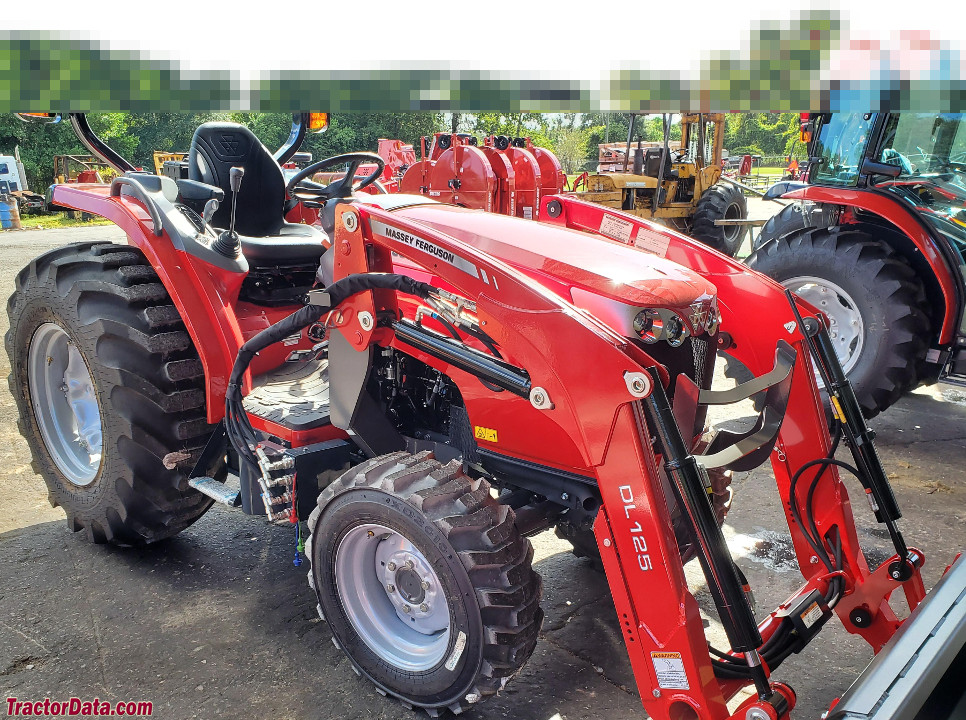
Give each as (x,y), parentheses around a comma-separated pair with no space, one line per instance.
(669,668)
(837,409)
(488,434)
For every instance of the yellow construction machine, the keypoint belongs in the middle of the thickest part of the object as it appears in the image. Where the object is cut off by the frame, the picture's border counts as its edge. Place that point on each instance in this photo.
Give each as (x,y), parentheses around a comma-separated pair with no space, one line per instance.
(679,185)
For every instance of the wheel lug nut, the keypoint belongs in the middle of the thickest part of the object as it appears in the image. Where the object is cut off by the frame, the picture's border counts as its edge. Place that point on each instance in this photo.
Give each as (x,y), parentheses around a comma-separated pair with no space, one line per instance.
(424,585)
(407,609)
(391,567)
(410,564)
(424,608)
(390,588)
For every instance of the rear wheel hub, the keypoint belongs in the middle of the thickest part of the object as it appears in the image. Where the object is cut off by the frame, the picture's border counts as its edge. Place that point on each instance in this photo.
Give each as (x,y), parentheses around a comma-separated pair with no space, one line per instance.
(846,327)
(65,404)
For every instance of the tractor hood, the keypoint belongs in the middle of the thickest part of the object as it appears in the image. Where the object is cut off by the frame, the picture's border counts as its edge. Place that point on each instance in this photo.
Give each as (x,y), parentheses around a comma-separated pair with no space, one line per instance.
(574,264)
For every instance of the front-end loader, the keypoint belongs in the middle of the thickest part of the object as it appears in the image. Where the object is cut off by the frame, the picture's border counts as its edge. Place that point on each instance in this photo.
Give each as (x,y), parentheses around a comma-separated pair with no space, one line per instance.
(424,386)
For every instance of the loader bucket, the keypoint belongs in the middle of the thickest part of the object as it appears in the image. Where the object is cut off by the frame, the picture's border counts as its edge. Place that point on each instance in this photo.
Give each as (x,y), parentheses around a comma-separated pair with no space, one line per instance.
(920,674)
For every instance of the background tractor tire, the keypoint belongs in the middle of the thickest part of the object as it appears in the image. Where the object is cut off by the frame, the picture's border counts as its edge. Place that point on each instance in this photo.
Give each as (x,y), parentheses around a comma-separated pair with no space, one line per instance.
(133,377)
(400,514)
(720,202)
(883,323)
(790,219)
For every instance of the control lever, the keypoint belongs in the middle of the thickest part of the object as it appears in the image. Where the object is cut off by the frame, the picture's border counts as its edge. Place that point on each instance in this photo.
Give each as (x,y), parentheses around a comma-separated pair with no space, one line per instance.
(227,243)
(209,212)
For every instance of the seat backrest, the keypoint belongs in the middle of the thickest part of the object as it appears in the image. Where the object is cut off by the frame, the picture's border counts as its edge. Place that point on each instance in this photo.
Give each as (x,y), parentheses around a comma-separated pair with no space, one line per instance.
(219,146)
(653,157)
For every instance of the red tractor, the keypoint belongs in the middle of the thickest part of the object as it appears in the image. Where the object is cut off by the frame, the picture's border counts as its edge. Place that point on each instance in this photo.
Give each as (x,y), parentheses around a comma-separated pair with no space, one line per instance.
(404,382)
(875,240)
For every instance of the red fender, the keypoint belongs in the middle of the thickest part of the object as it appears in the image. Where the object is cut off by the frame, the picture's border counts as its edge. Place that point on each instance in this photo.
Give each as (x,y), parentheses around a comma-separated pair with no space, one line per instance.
(893,211)
(206,296)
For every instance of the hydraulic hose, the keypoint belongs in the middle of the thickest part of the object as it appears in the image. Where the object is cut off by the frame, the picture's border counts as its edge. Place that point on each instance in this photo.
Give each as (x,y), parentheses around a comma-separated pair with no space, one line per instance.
(239,428)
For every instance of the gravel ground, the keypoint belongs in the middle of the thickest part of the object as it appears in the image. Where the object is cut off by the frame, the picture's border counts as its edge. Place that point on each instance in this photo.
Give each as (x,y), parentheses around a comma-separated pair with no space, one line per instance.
(217,623)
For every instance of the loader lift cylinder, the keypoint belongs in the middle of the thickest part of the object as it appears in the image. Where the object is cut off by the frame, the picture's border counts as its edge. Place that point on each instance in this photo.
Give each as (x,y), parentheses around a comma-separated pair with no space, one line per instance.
(719,568)
(859,437)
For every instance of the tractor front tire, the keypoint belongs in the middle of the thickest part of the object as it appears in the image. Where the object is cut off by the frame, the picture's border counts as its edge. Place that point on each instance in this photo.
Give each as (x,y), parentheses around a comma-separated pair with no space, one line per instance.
(721,201)
(424,581)
(875,300)
(107,383)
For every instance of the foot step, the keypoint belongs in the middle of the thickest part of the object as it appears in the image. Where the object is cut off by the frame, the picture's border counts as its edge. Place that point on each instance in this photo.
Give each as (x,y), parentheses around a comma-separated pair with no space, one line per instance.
(221,492)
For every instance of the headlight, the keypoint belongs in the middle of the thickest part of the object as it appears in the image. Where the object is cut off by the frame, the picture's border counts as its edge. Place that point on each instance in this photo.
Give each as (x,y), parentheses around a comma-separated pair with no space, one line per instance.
(675,332)
(648,325)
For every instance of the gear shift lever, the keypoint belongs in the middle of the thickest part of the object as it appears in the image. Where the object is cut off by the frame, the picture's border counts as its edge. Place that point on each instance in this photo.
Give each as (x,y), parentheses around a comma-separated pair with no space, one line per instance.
(227,243)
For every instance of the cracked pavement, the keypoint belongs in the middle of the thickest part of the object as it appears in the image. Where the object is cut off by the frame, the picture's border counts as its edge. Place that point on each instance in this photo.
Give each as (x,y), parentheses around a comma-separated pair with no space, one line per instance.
(217,623)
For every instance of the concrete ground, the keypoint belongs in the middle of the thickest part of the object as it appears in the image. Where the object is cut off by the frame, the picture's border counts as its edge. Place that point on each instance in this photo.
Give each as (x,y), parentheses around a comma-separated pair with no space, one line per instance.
(217,623)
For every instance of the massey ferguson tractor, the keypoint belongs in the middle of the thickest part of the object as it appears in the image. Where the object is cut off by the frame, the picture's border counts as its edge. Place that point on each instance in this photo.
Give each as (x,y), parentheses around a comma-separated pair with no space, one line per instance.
(425,386)
(875,240)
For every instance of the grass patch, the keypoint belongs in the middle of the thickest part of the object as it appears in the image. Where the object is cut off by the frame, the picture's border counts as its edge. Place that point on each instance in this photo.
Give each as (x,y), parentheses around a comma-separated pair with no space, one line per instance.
(59,220)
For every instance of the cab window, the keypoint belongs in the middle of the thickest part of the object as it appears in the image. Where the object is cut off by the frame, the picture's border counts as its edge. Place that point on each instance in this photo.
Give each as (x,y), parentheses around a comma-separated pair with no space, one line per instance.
(840,148)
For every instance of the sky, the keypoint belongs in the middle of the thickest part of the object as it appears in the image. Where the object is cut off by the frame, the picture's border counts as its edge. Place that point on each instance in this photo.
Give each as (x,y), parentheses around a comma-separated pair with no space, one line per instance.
(558,40)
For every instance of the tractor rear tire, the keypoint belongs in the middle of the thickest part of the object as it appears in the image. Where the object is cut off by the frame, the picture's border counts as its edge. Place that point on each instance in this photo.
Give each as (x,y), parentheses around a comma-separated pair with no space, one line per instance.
(848,271)
(402,538)
(132,392)
(721,201)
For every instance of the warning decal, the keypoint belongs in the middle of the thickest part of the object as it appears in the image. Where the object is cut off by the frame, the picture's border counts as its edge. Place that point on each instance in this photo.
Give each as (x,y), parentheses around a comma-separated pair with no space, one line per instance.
(652,242)
(812,615)
(616,228)
(669,668)
(482,433)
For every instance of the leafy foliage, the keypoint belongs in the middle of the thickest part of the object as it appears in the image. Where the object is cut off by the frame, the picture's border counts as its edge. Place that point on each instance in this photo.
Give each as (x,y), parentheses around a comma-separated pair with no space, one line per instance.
(768,134)
(573,137)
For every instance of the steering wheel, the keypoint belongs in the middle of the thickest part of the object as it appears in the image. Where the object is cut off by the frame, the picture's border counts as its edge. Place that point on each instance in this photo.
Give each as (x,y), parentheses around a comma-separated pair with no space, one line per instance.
(300,188)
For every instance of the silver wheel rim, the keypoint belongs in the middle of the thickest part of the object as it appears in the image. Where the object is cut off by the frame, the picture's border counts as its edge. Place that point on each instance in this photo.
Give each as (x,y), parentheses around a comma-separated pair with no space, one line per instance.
(64,404)
(846,327)
(392,597)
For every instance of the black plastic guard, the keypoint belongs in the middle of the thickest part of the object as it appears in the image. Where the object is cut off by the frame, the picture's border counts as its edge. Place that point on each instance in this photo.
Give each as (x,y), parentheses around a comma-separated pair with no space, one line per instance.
(748,450)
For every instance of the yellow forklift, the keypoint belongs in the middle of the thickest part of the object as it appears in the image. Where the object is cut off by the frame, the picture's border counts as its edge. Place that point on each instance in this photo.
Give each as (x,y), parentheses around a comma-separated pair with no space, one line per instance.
(681,186)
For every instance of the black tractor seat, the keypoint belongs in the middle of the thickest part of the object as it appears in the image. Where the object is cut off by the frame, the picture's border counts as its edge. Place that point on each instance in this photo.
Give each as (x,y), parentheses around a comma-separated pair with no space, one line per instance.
(266,239)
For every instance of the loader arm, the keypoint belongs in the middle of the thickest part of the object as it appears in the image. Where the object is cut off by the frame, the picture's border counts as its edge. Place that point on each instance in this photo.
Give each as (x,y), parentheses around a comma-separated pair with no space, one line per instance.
(604,421)
(864,608)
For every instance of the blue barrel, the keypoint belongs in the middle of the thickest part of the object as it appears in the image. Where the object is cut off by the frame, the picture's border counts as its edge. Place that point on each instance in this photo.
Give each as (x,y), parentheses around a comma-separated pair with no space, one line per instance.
(9,213)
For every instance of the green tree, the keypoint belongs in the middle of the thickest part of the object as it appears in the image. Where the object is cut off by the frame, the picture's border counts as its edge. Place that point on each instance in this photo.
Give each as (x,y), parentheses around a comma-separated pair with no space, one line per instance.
(38,144)
(571,148)
(768,134)
(536,126)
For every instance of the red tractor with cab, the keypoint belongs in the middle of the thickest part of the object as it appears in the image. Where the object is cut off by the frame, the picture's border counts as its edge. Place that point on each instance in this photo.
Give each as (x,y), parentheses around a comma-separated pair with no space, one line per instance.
(875,239)
(424,386)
